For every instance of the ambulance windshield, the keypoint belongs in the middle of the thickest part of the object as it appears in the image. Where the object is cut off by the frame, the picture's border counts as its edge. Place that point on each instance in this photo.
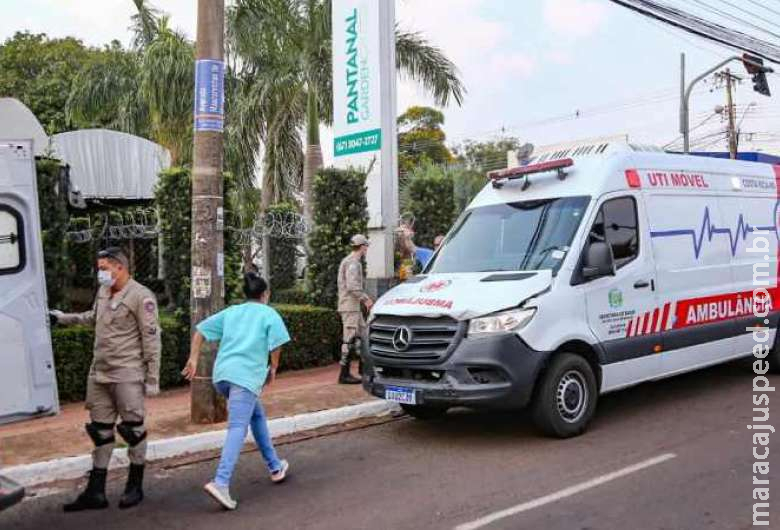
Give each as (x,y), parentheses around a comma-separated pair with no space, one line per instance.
(526,235)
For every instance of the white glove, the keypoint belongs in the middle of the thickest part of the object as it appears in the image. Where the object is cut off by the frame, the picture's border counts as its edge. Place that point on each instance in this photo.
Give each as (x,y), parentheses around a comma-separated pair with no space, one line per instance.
(56,314)
(151,390)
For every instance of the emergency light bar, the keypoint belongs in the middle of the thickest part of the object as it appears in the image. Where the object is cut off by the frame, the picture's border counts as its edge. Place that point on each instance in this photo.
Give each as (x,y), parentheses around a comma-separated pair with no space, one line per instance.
(498,178)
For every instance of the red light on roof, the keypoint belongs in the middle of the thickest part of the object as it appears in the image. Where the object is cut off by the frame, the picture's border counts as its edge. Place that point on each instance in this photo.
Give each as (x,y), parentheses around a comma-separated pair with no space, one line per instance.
(515,172)
(632,178)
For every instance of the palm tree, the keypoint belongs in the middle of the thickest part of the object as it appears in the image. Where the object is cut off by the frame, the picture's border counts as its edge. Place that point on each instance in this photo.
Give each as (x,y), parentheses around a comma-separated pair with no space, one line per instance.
(147,91)
(288,43)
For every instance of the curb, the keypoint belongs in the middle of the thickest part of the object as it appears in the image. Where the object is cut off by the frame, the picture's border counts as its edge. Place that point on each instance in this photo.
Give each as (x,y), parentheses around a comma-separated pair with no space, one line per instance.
(76,466)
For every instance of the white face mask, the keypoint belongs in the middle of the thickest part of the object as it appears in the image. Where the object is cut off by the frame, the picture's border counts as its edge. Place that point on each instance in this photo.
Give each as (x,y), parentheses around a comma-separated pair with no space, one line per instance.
(105,278)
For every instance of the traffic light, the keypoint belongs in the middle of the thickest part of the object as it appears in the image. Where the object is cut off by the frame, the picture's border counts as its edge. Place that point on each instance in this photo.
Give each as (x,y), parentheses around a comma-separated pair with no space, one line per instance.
(755,67)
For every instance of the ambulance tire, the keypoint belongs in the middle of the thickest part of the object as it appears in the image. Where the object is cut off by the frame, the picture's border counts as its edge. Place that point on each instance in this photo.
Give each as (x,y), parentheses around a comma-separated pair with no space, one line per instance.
(421,412)
(566,397)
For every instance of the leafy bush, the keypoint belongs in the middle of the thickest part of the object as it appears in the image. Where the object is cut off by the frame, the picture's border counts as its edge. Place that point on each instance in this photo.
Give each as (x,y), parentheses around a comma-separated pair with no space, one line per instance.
(51,177)
(172,196)
(295,296)
(173,199)
(467,183)
(340,211)
(428,195)
(283,254)
(315,332)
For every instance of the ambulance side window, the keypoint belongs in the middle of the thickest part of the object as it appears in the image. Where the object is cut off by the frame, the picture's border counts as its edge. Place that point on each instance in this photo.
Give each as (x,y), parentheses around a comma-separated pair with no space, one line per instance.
(616,224)
(11,240)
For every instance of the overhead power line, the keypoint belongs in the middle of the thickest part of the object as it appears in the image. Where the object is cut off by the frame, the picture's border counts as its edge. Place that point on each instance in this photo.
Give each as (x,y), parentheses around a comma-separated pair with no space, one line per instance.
(759,4)
(734,18)
(706,29)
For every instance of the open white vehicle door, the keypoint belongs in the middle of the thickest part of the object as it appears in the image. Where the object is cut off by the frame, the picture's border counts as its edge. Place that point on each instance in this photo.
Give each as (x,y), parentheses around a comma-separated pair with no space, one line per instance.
(27,377)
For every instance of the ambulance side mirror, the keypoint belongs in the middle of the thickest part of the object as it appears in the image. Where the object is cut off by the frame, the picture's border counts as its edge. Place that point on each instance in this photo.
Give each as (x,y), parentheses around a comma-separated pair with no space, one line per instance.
(598,261)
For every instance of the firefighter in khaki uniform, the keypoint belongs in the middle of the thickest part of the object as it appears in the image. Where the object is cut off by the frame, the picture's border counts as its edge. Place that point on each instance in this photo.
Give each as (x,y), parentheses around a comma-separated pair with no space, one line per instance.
(125,369)
(351,297)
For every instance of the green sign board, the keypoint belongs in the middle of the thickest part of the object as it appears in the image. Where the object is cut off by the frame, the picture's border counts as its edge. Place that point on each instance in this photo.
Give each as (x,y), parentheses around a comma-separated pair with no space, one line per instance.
(358,143)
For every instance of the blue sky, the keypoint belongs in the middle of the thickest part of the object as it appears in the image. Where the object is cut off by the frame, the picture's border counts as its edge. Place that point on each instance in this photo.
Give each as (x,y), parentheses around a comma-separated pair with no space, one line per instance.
(523,62)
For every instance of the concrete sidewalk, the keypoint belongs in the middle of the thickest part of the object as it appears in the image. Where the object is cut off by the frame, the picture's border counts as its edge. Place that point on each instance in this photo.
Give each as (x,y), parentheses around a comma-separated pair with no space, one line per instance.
(60,436)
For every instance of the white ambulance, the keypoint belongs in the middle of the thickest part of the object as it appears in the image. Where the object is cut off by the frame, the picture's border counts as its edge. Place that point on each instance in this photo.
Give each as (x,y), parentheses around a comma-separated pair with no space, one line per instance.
(588,270)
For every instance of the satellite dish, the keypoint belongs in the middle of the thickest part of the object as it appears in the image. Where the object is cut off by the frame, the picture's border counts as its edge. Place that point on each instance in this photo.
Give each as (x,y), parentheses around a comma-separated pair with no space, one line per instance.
(524,153)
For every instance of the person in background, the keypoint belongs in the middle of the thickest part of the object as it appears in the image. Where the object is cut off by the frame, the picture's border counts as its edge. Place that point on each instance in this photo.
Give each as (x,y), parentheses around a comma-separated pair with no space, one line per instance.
(422,255)
(125,369)
(352,297)
(249,334)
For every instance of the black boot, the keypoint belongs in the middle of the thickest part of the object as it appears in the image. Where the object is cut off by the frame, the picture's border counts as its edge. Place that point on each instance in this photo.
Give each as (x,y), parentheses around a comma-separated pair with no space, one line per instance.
(94,497)
(134,492)
(345,378)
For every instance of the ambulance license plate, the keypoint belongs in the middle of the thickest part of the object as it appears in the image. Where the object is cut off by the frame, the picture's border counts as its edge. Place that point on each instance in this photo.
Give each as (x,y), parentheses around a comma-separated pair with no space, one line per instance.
(397,394)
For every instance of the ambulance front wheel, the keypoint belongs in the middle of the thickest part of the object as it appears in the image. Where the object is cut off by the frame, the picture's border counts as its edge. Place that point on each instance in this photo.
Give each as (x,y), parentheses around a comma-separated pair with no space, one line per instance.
(566,397)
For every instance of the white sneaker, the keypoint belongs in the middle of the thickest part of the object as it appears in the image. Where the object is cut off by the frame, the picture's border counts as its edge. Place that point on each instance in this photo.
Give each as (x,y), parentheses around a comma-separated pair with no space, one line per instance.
(221,495)
(279,476)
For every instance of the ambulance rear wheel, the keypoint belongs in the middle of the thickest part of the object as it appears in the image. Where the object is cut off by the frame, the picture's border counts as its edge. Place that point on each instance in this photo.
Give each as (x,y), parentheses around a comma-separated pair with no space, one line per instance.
(566,397)
(421,412)
(774,355)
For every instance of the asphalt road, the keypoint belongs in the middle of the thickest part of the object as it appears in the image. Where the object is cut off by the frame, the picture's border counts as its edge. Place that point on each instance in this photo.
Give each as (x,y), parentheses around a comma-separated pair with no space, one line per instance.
(669,455)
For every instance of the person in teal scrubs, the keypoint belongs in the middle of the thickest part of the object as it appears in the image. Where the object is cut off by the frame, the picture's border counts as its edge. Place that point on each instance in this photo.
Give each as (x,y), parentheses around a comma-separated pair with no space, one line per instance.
(249,335)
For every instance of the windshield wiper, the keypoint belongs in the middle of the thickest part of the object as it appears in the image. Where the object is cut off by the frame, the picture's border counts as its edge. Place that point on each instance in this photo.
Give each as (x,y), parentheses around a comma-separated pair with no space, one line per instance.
(543,254)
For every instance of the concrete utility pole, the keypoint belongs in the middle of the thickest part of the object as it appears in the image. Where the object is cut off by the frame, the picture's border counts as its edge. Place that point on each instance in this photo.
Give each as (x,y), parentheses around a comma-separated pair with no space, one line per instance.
(728,78)
(208,286)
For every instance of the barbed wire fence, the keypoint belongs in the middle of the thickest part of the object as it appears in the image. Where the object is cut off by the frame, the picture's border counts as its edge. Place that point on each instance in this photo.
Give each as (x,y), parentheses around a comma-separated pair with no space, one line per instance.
(271,224)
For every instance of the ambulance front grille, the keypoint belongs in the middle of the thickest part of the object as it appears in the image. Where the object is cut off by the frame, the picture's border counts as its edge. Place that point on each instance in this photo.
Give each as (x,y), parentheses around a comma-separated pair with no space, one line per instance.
(428,340)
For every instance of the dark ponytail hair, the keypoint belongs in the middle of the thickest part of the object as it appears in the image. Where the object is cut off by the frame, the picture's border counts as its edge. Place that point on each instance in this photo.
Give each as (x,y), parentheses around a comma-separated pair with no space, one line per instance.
(254,286)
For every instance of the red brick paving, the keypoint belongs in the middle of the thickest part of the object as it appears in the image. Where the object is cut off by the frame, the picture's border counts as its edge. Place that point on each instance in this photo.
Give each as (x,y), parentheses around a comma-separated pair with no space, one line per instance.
(168,415)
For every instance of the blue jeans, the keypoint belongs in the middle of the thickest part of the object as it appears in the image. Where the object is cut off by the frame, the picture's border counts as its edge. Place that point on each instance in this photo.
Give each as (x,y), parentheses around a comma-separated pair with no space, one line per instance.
(244,410)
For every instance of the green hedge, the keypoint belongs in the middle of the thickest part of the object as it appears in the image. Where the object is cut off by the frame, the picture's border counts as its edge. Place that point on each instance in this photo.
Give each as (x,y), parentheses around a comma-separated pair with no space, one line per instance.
(283,254)
(316,336)
(315,332)
(340,211)
(294,296)
(51,175)
(73,356)
(428,195)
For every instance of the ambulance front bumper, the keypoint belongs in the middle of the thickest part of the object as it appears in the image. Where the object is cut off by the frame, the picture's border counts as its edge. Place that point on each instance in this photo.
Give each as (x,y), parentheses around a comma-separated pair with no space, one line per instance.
(496,372)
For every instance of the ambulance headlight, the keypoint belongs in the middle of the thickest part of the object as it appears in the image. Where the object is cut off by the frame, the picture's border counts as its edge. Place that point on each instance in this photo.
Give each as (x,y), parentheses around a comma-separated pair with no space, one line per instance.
(503,322)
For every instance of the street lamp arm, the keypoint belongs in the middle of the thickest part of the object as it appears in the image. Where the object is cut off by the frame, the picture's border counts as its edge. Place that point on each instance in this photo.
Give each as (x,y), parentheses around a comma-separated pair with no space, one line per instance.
(684,121)
(705,74)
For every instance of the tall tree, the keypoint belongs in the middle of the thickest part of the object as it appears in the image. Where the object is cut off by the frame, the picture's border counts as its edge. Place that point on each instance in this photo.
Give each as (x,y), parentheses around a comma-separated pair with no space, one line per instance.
(488,155)
(421,138)
(148,91)
(289,41)
(39,71)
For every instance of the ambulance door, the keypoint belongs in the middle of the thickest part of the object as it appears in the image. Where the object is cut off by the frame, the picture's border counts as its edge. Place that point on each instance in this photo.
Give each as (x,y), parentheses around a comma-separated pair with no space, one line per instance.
(623,312)
(27,378)
(692,243)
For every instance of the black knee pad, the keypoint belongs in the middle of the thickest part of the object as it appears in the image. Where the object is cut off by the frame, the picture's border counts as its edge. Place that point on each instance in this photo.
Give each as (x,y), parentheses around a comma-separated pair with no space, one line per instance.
(127,430)
(354,345)
(98,432)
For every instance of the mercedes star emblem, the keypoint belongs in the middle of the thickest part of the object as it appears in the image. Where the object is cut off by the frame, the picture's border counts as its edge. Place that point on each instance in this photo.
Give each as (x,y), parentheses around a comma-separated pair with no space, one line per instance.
(402,338)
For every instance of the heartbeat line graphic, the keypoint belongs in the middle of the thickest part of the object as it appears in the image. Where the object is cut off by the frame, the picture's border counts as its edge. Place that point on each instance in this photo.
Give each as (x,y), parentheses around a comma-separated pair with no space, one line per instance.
(709,230)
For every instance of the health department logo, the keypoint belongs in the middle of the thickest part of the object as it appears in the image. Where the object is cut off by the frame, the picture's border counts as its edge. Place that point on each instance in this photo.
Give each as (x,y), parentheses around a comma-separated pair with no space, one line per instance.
(435,286)
(615,298)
